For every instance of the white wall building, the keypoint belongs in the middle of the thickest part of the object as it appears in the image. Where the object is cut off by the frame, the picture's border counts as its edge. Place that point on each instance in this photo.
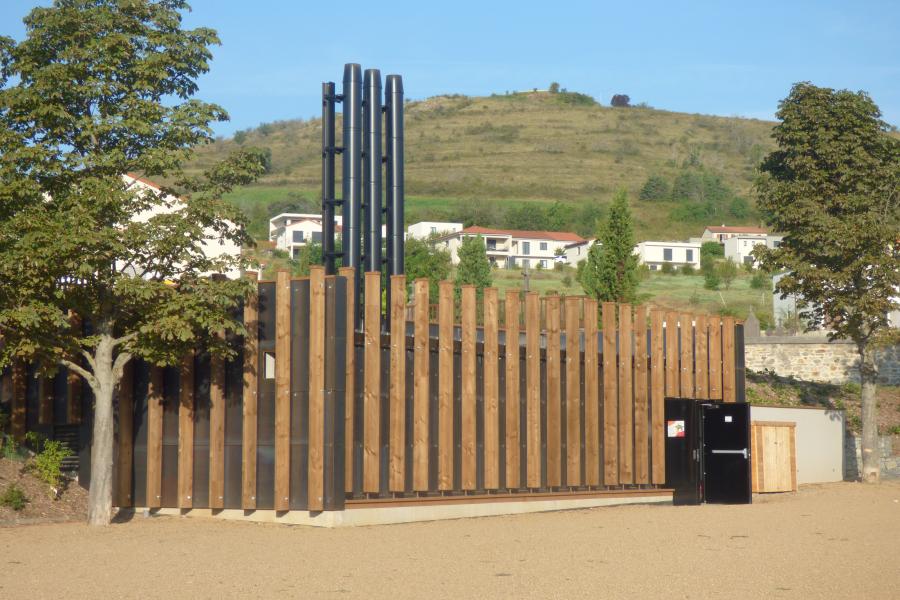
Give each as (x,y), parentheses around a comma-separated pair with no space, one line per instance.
(716,233)
(656,254)
(213,246)
(578,251)
(514,248)
(739,247)
(425,229)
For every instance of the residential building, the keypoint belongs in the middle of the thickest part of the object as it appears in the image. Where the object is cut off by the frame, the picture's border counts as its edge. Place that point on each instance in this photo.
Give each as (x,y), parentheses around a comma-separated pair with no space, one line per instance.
(292,231)
(739,247)
(425,229)
(656,254)
(578,251)
(514,248)
(715,233)
(213,246)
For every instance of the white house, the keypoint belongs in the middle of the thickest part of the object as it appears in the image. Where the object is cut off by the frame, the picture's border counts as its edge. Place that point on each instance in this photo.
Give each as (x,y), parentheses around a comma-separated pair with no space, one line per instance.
(514,248)
(213,246)
(715,233)
(425,229)
(656,254)
(739,247)
(578,251)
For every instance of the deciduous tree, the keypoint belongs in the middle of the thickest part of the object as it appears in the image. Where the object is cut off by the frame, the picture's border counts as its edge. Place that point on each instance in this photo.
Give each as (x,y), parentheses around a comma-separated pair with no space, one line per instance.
(97,89)
(832,187)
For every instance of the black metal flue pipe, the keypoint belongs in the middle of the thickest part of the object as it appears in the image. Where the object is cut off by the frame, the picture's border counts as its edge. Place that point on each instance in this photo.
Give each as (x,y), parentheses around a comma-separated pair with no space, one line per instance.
(372,169)
(352,173)
(328,199)
(394,201)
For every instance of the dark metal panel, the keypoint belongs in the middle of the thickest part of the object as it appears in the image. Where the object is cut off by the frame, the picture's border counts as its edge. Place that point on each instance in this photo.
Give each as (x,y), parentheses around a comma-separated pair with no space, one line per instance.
(394,184)
(233,458)
(433,403)
(201,431)
(299,481)
(266,315)
(335,382)
(169,497)
(141,379)
(234,417)
(358,422)
(739,365)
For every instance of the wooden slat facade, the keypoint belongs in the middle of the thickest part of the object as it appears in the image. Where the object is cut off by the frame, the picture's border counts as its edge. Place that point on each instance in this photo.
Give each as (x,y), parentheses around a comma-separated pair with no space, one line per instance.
(186,432)
(445,386)
(491,387)
(316,456)
(421,388)
(282,391)
(610,397)
(554,405)
(626,396)
(372,385)
(397,392)
(573,392)
(513,354)
(249,394)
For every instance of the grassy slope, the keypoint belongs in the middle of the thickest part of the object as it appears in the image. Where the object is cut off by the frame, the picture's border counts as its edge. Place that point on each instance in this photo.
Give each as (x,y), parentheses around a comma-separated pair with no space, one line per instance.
(495,152)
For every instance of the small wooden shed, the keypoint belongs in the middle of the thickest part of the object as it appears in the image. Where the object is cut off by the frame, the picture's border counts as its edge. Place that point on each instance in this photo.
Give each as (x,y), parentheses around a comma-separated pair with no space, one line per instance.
(773,445)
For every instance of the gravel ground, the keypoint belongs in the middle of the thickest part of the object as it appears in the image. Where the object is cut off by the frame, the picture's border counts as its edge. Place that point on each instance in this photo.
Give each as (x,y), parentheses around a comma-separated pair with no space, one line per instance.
(827,541)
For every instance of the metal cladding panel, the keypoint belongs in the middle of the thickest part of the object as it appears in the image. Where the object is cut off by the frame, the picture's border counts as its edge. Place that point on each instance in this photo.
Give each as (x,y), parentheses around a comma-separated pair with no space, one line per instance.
(265,477)
(335,382)
(299,394)
(139,480)
(384,413)
(739,365)
(358,421)
(523,418)
(433,404)
(233,460)
(200,494)
(169,497)
(479,421)
(61,398)
(408,407)
(234,417)
(171,384)
(266,316)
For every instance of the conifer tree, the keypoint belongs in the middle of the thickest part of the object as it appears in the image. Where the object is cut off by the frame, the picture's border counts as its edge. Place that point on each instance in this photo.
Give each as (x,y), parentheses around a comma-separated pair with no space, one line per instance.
(474,267)
(610,274)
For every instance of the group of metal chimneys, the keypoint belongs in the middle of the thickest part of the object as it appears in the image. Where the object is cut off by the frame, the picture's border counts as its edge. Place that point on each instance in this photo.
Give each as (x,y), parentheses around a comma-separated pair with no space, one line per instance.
(365,206)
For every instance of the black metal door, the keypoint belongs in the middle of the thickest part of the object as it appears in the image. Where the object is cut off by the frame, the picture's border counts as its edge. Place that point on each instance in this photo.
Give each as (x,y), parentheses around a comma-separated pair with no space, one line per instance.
(726,452)
(682,450)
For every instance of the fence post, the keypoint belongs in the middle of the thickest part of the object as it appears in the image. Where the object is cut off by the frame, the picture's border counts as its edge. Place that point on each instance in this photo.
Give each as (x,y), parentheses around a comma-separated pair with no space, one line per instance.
(657,398)
(282,391)
(573,391)
(591,395)
(421,416)
(397,478)
(372,384)
(315,489)
(468,324)
(348,273)
(445,386)
(554,403)
(728,360)
(513,437)
(610,397)
(533,389)
(626,398)
(250,391)
(641,405)
(491,374)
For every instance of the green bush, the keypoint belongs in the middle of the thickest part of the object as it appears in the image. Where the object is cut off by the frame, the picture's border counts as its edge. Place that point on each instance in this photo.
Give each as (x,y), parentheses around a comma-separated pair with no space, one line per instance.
(47,463)
(687,269)
(713,249)
(667,268)
(760,281)
(13,497)
(711,280)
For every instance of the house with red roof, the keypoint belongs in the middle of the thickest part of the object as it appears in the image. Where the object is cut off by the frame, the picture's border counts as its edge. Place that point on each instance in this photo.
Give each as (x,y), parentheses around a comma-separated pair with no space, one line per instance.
(508,248)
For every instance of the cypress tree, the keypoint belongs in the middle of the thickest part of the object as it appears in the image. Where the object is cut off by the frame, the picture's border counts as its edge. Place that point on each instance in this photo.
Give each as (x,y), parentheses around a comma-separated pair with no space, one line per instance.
(474,267)
(610,274)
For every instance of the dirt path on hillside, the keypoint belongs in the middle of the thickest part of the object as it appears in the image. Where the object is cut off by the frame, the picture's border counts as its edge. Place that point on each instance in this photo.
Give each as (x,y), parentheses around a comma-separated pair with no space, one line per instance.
(829,541)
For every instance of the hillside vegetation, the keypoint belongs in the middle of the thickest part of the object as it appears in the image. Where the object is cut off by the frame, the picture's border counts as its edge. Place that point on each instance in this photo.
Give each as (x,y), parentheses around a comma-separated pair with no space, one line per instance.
(476,158)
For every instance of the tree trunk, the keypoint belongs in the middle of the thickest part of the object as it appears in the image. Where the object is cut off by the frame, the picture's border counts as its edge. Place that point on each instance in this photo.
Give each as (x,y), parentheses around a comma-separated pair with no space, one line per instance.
(100,493)
(871,460)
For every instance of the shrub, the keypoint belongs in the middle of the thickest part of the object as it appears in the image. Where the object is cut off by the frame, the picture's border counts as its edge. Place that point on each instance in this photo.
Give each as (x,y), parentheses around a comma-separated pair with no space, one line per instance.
(620,100)
(687,270)
(727,271)
(711,280)
(760,281)
(47,463)
(567,280)
(655,188)
(712,249)
(667,268)
(13,497)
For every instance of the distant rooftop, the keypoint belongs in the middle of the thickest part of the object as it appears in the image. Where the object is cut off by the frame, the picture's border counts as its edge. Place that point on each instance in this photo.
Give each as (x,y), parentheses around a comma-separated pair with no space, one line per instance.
(558,236)
(738,229)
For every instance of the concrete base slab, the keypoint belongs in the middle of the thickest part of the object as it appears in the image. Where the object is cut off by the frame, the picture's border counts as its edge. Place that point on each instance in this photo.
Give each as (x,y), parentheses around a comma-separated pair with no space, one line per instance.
(382,513)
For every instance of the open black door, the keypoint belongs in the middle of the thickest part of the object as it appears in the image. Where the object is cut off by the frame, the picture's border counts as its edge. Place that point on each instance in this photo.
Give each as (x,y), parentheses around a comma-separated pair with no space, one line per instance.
(726,452)
(682,450)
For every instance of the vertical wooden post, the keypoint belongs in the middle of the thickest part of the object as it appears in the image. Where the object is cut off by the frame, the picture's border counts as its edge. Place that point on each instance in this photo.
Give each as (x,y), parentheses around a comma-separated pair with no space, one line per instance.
(421,417)
(468,362)
(610,397)
(282,391)
(554,404)
(657,398)
(372,385)
(673,388)
(701,369)
(626,396)
(491,391)
(45,400)
(73,380)
(513,462)
(249,397)
(186,432)
(154,437)
(125,441)
(641,404)
(217,432)
(397,479)
(728,362)
(573,391)
(533,391)
(315,482)
(687,356)
(350,384)
(445,385)
(591,395)
(715,358)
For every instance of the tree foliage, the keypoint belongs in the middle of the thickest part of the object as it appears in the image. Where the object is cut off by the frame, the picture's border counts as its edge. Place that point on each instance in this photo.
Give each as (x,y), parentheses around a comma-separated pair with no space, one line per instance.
(620,100)
(423,260)
(832,187)
(474,267)
(655,188)
(610,272)
(98,89)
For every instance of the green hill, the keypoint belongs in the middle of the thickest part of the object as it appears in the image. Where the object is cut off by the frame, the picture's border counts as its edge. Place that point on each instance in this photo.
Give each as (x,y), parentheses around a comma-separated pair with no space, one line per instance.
(479,159)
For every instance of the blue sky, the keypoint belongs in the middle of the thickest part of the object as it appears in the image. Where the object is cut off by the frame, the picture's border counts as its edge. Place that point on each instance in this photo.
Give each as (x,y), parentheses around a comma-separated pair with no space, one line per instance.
(723,58)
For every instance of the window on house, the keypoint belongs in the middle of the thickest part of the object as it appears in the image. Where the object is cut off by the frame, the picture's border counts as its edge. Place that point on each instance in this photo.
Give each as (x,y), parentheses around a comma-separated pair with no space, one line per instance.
(526,247)
(492,244)
(317,237)
(434,230)
(689,255)
(776,244)
(543,264)
(543,245)
(667,254)
(298,237)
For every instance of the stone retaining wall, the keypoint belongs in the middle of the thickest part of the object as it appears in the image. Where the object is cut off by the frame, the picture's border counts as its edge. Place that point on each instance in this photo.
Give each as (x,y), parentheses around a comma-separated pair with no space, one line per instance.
(890,464)
(817,359)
